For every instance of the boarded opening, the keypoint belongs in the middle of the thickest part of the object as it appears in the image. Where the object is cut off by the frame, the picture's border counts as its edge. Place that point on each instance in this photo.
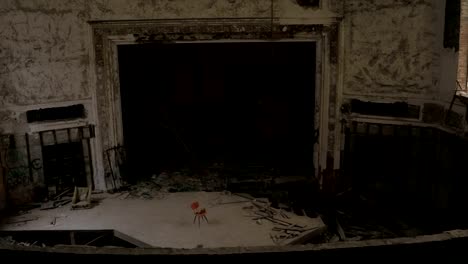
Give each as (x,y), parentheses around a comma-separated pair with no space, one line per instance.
(247,107)
(397,109)
(56,113)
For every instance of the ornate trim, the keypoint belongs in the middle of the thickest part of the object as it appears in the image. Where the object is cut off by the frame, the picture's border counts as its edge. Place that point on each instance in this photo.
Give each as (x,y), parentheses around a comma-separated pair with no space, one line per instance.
(108,34)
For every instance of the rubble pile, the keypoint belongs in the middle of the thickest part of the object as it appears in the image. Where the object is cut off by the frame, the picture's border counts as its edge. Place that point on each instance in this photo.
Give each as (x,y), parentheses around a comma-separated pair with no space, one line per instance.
(289,228)
(164,183)
(9,241)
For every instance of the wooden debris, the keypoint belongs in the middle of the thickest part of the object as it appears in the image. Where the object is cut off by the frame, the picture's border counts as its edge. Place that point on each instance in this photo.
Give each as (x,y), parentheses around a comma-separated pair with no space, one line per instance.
(62,194)
(48,205)
(62,202)
(340,231)
(306,236)
(273,238)
(290,232)
(283,214)
(124,196)
(266,208)
(250,197)
(234,202)
(277,221)
(279,228)
(54,204)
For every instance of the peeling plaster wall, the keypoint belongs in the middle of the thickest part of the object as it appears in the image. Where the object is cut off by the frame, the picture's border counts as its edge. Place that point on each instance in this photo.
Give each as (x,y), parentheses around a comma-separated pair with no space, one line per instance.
(393,48)
(43,52)
(45,47)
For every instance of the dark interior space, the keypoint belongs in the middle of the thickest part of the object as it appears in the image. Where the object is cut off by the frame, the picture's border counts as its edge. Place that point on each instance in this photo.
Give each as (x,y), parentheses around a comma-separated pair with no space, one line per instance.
(245,106)
(403,181)
(64,166)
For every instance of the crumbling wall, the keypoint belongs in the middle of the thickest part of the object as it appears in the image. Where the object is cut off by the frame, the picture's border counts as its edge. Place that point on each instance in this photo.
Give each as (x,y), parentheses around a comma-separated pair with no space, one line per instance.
(43,52)
(392,48)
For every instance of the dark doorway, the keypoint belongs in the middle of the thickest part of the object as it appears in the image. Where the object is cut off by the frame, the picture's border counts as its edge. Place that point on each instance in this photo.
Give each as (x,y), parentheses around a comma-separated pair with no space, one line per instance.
(243,105)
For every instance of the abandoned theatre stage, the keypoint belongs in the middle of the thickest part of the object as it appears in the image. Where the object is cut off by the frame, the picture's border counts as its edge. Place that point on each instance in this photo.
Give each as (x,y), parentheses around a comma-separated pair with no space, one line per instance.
(209,116)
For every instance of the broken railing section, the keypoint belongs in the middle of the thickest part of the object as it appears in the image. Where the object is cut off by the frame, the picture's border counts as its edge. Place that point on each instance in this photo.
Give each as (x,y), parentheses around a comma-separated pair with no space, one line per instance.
(428,113)
(116,167)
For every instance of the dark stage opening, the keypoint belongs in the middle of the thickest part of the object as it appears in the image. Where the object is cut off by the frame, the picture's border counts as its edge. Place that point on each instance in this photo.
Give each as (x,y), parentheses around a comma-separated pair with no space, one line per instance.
(247,107)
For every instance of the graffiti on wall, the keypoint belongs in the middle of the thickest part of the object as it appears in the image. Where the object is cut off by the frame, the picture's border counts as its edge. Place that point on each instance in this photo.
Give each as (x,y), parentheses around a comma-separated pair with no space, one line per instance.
(17,166)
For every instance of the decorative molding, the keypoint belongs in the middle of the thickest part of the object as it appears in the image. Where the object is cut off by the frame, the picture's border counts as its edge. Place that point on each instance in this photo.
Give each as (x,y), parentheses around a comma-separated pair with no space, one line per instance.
(107,35)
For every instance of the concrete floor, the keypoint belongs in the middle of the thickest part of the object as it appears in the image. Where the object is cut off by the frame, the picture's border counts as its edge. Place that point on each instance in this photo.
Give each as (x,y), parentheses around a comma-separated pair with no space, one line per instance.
(162,222)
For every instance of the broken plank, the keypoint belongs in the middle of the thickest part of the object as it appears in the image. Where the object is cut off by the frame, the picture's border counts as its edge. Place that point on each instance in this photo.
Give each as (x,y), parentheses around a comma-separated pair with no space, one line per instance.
(273,239)
(305,236)
(340,231)
(293,228)
(283,214)
(234,202)
(250,197)
(267,208)
(62,194)
(278,221)
(48,205)
(63,202)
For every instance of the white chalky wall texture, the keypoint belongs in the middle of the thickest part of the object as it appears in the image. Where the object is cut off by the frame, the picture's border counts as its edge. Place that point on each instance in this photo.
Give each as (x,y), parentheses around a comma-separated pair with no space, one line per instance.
(393,47)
